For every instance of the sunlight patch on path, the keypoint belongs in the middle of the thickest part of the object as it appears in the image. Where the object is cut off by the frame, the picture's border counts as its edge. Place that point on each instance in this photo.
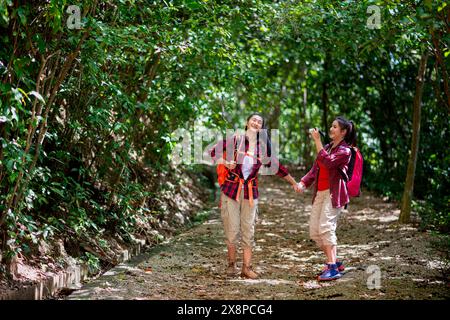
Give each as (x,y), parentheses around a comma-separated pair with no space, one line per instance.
(314,284)
(273,191)
(213,221)
(282,266)
(121,269)
(272,235)
(266,223)
(356,249)
(370,214)
(272,282)
(290,255)
(436,264)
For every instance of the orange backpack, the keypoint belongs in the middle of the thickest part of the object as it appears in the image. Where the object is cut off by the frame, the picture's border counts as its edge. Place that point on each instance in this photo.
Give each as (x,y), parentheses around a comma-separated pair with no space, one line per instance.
(222,171)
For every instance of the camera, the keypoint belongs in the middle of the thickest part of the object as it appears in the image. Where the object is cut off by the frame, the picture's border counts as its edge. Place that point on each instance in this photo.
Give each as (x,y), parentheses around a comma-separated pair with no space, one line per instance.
(324,136)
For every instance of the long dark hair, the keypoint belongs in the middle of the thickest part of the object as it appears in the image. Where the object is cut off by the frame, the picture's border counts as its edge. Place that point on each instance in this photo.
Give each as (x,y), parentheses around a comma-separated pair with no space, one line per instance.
(350,136)
(263,134)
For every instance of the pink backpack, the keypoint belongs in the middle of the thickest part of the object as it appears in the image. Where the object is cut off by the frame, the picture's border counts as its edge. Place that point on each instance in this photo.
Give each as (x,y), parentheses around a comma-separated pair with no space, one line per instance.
(354,173)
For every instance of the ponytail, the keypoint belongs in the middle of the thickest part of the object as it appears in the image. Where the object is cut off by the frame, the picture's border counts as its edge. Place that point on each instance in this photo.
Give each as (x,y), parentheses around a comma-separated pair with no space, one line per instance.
(350,136)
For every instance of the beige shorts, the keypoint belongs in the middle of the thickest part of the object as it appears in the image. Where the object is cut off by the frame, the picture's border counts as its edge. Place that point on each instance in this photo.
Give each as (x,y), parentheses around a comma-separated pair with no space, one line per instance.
(238,220)
(323,220)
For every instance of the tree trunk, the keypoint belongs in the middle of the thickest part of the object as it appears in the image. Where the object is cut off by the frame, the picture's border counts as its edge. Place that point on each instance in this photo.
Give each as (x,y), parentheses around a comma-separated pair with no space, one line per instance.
(441,62)
(409,183)
(305,152)
(273,122)
(325,92)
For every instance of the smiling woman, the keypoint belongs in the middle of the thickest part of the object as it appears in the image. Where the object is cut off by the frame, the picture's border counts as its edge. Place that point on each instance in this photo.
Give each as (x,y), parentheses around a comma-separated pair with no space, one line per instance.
(239,198)
(330,190)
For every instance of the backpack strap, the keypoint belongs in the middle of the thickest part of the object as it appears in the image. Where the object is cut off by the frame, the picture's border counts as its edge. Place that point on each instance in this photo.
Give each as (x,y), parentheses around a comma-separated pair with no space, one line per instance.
(250,189)
(346,176)
(351,164)
(241,181)
(237,149)
(235,153)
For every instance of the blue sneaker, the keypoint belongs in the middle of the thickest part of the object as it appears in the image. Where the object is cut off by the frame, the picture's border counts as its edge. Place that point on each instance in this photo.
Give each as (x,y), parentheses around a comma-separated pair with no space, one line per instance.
(340,266)
(331,273)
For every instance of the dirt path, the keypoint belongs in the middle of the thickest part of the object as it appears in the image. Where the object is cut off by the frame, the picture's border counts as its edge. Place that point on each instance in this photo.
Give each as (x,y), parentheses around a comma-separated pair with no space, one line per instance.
(192,264)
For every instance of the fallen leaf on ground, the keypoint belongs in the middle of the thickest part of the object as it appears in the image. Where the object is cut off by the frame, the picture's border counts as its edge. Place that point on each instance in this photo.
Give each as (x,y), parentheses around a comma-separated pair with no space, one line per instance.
(148,270)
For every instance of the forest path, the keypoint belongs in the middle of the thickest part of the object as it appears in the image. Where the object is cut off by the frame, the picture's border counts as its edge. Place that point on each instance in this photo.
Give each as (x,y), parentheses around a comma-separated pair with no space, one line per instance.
(370,242)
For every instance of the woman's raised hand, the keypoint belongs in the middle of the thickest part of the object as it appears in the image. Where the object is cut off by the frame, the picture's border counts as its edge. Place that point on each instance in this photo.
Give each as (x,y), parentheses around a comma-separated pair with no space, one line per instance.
(315,134)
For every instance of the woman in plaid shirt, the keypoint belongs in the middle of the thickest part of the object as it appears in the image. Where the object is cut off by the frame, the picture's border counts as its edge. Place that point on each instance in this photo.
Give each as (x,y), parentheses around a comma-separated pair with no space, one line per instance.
(239,198)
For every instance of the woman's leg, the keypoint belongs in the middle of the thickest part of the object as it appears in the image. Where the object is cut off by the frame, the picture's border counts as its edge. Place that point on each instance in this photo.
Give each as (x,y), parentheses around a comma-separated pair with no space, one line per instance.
(328,221)
(327,230)
(247,261)
(248,216)
(314,219)
(231,224)
(231,250)
(330,252)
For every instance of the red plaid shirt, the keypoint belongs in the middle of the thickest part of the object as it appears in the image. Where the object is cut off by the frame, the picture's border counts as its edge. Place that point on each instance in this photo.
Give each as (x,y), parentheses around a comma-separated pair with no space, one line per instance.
(231,185)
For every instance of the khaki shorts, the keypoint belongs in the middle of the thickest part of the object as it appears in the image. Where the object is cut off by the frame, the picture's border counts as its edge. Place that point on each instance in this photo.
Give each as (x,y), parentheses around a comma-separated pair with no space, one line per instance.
(238,220)
(323,220)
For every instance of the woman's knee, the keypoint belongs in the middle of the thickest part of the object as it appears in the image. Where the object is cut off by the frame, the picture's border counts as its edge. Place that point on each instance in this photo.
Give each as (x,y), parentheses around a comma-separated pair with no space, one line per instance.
(314,231)
(316,238)
(248,237)
(328,237)
(232,238)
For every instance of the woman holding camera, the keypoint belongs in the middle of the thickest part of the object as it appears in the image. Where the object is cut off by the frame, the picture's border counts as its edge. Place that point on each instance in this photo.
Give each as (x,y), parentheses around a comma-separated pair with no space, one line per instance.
(330,190)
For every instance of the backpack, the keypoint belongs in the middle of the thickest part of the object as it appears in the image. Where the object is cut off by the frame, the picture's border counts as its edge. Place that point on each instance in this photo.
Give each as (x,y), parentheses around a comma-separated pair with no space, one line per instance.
(354,173)
(221,169)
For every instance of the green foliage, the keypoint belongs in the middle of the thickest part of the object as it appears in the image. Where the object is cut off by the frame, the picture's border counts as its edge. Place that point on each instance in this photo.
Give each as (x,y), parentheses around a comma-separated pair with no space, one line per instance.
(441,243)
(83,111)
(201,217)
(434,215)
(92,262)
